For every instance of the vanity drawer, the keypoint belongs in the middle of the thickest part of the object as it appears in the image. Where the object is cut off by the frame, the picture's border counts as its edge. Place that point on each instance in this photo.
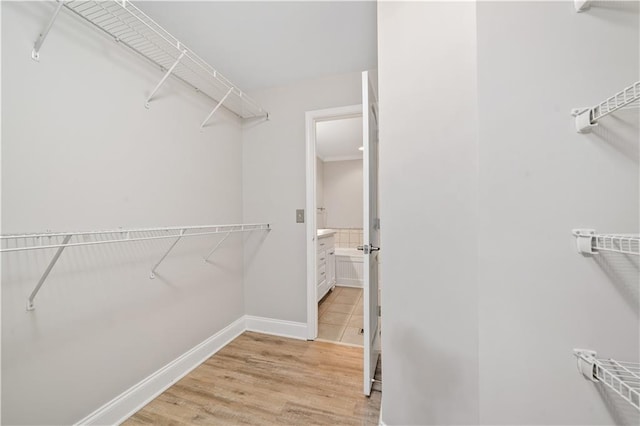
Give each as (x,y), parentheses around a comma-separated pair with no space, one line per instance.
(326,242)
(322,272)
(322,257)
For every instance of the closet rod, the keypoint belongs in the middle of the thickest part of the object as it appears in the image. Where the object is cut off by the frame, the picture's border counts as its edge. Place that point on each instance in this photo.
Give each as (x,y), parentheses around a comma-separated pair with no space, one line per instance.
(623,378)
(588,242)
(587,118)
(119,236)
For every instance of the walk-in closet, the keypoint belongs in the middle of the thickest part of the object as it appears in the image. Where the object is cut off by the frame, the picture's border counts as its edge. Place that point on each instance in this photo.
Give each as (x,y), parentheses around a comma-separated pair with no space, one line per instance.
(333,213)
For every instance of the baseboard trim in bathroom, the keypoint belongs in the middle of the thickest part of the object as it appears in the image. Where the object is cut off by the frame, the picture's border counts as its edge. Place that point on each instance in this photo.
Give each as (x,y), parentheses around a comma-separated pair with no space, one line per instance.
(353,284)
(339,343)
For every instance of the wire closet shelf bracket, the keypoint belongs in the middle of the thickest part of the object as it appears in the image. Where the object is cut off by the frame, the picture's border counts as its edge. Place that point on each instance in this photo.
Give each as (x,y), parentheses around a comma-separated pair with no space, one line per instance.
(588,242)
(131,27)
(587,118)
(582,5)
(44,241)
(623,378)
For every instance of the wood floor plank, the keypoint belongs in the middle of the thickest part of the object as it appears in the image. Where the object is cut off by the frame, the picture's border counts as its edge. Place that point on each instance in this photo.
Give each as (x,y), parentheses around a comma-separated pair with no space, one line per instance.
(260,379)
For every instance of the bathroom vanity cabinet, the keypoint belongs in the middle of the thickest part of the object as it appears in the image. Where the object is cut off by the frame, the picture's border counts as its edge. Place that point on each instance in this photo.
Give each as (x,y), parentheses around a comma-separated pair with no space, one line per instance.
(326,273)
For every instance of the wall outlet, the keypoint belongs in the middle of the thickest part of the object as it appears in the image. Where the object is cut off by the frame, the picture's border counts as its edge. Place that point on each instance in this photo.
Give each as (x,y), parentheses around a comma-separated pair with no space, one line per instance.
(300,216)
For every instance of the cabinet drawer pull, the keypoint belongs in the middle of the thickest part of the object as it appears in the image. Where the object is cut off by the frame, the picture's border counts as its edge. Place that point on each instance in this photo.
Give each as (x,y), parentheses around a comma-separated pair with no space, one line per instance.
(322,273)
(322,258)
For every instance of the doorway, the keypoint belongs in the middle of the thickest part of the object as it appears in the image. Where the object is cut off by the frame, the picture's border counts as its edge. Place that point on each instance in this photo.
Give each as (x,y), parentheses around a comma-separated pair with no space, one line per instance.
(339,218)
(333,123)
(323,267)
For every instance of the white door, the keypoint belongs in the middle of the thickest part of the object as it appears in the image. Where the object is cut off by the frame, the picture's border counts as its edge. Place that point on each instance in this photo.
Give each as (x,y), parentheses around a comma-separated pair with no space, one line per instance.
(371,225)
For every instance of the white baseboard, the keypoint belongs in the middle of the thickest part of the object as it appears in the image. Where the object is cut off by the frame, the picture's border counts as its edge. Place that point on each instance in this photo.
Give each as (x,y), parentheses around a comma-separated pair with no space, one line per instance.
(351,283)
(129,402)
(295,330)
(132,400)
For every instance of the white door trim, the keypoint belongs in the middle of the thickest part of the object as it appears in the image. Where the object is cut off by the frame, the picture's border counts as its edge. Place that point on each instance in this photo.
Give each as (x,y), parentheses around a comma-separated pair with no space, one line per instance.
(312,117)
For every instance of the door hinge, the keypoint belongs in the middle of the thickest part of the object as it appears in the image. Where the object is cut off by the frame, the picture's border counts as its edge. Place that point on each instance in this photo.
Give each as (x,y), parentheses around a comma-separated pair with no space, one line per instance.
(379,310)
(376,223)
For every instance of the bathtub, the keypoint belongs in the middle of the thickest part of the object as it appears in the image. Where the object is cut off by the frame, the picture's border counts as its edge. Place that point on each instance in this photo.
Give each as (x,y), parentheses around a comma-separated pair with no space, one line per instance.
(349,266)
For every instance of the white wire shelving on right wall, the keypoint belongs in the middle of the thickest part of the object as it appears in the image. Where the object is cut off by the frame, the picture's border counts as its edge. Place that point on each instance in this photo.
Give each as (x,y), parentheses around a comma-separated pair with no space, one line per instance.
(587,118)
(623,378)
(620,377)
(589,242)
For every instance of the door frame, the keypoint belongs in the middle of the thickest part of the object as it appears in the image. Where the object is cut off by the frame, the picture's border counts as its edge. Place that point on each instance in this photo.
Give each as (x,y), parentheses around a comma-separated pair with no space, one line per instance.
(311,118)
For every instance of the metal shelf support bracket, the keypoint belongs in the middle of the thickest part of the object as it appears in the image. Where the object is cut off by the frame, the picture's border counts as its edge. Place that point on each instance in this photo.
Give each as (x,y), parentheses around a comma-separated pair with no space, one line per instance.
(224,98)
(152,275)
(164,78)
(586,363)
(35,53)
(30,306)
(582,5)
(584,124)
(584,240)
(206,258)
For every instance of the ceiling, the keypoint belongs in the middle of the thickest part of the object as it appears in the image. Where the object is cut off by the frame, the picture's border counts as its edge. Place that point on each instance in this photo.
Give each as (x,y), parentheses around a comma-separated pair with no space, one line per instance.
(267,43)
(339,140)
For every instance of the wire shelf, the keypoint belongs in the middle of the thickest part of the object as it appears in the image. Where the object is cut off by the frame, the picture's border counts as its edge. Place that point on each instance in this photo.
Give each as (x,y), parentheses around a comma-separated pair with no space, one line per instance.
(623,378)
(588,242)
(40,241)
(133,28)
(62,240)
(628,244)
(586,118)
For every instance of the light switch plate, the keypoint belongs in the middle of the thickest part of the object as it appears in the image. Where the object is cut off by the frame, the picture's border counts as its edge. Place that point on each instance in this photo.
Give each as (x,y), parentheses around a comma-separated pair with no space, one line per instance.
(300,216)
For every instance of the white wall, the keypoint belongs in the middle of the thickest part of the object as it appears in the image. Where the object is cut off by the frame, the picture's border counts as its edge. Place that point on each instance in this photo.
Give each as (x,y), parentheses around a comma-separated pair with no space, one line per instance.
(80,151)
(539,179)
(343,193)
(428,195)
(274,187)
(494,195)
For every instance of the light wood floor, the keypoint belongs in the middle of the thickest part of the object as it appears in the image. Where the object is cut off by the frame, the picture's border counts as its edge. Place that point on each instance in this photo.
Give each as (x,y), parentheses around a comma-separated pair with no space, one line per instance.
(266,380)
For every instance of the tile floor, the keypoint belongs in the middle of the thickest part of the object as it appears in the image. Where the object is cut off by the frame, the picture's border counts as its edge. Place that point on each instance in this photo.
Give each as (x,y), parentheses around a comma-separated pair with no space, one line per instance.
(340,316)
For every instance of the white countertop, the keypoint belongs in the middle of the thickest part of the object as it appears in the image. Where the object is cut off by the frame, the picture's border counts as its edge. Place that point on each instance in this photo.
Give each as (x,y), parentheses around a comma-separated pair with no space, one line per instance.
(325,232)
